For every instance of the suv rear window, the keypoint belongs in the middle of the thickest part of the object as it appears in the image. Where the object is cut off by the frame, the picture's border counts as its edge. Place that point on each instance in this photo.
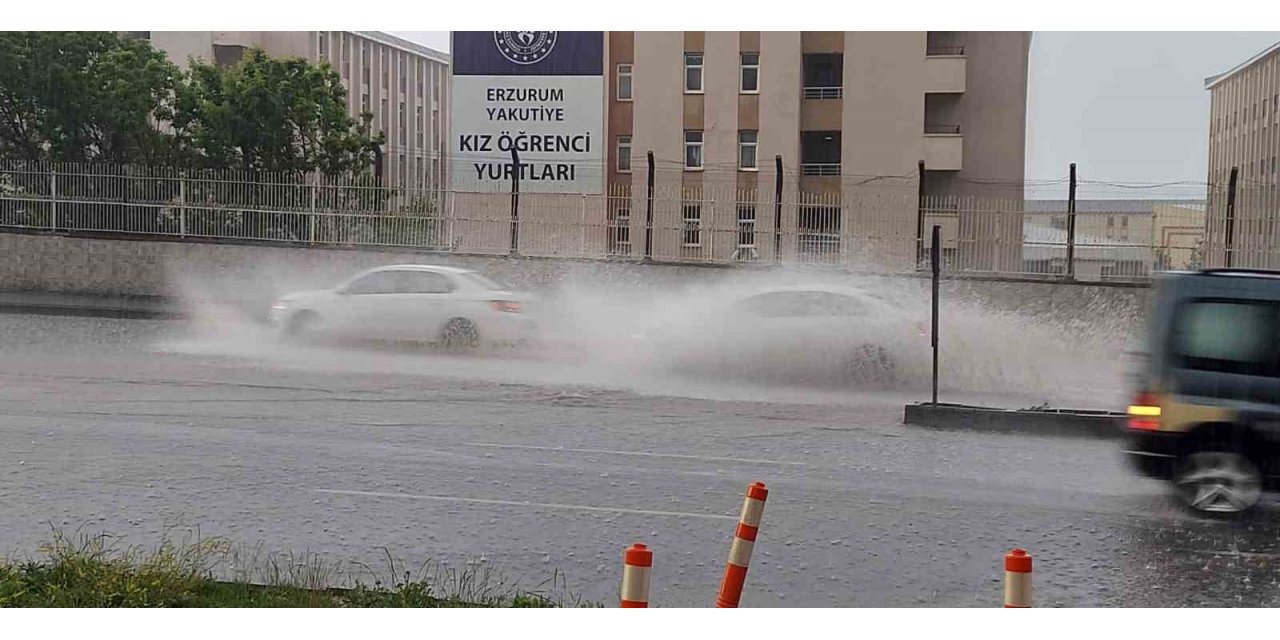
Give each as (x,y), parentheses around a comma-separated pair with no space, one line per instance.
(1227,336)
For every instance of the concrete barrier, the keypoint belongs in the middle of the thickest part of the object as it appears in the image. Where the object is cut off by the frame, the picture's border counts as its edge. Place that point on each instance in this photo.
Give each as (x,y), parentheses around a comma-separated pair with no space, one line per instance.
(1045,422)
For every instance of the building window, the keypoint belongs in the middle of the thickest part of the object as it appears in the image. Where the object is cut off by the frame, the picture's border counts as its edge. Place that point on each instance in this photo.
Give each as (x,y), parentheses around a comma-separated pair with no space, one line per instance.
(421,123)
(747,149)
(820,153)
(364,103)
(366,60)
(823,76)
(691,228)
(624,82)
(624,154)
(404,75)
(750,72)
(819,232)
(402,169)
(346,56)
(692,150)
(385,121)
(386,71)
(323,44)
(620,230)
(746,226)
(401,122)
(693,73)
(418,79)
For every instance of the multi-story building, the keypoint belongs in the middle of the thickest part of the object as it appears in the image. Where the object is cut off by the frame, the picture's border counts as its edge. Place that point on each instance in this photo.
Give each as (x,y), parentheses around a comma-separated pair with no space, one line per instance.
(1244,136)
(852,117)
(404,85)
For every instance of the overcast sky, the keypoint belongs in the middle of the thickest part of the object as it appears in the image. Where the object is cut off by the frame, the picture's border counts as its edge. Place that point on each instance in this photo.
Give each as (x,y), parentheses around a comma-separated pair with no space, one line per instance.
(1124,106)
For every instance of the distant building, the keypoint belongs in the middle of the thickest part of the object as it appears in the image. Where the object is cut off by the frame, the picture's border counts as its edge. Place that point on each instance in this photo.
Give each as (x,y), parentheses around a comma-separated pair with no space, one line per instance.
(1114,238)
(1244,134)
(403,84)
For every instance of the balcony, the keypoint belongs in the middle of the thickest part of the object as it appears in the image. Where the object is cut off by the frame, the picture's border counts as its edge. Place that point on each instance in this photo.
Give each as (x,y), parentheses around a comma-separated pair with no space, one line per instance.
(943,147)
(945,73)
(944,50)
(823,93)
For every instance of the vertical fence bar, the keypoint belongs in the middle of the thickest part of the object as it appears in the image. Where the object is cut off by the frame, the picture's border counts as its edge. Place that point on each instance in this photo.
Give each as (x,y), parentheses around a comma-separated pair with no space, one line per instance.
(648,213)
(1071,224)
(777,208)
(582,229)
(515,202)
(920,214)
(53,196)
(182,205)
(1229,239)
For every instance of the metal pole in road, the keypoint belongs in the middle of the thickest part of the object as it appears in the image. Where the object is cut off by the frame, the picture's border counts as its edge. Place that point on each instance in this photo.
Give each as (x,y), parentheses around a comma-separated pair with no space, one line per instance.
(935,259)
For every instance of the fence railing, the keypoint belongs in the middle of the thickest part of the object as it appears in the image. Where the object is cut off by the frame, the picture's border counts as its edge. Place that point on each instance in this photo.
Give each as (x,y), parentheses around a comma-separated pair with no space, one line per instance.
(823,93)
(881,228)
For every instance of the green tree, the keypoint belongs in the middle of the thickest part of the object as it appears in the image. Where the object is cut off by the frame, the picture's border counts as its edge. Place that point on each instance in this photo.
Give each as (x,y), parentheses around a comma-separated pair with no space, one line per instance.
(84,97)
(272,114)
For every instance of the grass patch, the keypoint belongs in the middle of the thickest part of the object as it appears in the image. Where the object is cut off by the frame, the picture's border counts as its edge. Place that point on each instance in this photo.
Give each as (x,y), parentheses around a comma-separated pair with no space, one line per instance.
(100,571)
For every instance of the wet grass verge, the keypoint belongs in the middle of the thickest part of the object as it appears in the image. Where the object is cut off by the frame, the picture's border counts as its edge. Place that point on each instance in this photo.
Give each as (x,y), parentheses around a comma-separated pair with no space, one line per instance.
(83,570)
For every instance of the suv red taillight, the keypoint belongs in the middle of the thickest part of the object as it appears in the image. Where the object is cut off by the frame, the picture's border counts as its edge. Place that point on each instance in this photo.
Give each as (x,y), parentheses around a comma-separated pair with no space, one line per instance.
(507,306)
(1144,412)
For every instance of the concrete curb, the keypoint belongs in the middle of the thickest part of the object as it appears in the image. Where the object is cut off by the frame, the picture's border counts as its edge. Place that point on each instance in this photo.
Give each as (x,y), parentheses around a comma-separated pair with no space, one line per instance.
(88,305)
(1067,423)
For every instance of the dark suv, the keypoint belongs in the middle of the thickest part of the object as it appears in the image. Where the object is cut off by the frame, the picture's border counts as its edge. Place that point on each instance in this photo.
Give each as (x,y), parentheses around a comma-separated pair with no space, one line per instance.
(1206,416)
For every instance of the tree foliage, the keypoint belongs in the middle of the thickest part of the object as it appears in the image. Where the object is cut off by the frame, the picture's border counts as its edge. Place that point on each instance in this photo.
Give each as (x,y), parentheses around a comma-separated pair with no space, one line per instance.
(271,114)
(84,97)
(97,97)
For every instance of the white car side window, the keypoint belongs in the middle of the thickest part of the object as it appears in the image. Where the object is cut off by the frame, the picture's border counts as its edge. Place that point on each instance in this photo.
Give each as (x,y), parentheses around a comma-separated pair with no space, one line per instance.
(374,283)
(424,282)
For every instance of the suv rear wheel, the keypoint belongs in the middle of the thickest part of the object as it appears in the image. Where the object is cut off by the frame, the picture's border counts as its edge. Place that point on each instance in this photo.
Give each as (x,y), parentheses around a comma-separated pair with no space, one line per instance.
(1218,482)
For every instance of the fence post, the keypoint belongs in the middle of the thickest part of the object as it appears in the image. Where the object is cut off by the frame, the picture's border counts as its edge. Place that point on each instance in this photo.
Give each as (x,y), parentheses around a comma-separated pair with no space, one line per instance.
(711,231)
(777,208)
(515,202)
(182,204)
(1230,239)
(311,223)
(935,257)
(920,214)
(648,213)
(1071,225)
(53,195)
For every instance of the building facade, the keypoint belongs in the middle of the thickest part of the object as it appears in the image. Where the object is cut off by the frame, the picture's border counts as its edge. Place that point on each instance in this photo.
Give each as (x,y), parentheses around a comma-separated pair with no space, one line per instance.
(1244,135)
(404,85)
(848,117)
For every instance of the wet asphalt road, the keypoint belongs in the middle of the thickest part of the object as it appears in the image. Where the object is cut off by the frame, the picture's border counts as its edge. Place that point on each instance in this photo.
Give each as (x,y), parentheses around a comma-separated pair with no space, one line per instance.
(124,426)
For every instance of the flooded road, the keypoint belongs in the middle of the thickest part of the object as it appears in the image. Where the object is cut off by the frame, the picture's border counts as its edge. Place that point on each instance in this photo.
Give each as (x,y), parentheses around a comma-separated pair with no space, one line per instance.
(130,426)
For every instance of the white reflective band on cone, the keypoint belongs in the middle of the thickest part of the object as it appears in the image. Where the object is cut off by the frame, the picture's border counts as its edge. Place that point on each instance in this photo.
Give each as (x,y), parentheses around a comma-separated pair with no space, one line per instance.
(752,510)
(1017,589)
(635,583)
(740,552)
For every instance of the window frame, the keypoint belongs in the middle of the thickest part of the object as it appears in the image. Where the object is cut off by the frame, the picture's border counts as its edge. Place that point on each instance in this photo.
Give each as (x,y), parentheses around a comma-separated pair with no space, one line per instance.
(691,226)
(700,67)
(630,77)
(742,72)
(754,145)
(621,156)
(699,145)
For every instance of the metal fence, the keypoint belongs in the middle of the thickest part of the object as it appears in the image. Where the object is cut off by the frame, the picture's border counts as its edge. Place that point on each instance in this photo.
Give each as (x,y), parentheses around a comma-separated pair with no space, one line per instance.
(884,228)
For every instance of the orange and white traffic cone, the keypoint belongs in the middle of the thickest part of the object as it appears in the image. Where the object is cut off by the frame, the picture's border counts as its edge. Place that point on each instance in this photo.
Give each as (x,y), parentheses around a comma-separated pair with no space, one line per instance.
(636,564)
(735,571)
(1017,580)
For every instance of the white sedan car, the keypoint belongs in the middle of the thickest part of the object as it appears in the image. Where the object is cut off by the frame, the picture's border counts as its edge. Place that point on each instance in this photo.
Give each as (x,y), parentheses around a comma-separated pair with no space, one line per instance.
(794,334)
(457,308)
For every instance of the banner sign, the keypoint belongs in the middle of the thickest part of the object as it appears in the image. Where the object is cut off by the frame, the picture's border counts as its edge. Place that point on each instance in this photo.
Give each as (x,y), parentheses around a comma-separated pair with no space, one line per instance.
(540,93)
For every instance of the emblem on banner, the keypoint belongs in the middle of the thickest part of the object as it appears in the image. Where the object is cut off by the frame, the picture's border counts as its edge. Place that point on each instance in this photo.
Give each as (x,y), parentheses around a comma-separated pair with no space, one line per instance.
(525,47)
